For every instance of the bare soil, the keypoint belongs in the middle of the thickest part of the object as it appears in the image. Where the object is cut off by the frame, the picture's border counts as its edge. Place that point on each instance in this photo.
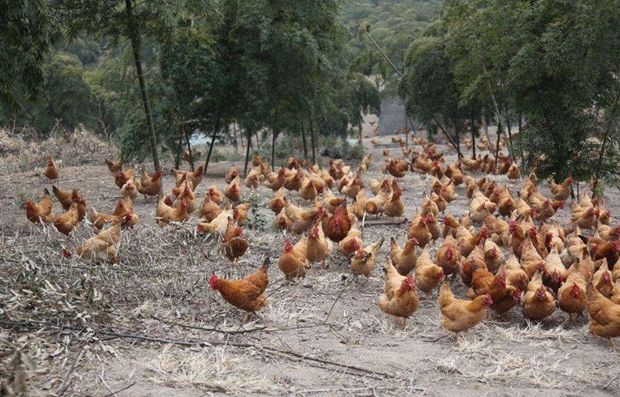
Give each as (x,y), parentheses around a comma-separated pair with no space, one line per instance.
(151,325)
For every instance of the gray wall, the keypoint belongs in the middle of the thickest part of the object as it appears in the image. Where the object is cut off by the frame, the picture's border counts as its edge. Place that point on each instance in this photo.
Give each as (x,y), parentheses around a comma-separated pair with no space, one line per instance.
(392,117)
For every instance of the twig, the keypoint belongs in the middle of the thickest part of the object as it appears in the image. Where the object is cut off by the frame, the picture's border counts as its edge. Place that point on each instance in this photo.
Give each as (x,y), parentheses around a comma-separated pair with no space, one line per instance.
(334,304)
(222,331)
(66,381)
(120,390)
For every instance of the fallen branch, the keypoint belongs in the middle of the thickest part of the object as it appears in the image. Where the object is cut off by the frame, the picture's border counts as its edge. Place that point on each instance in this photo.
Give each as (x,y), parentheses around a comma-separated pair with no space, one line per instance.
(120,390)
(222,331)
(66,381)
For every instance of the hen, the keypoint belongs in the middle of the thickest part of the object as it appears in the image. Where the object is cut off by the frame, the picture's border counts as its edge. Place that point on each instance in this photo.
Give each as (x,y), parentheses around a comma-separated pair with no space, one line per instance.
(538,302)
(114,166)
(602,280)
(51,171)
(337,226)
(209,210)
(427,274)
(561,192)
(364,260)
(233,190)
(246,294)
(403,259)
(67,221)
(150,185)
(604,315)
(121,177)
(448,256)
(165,213)
(318,247)
(40,212)
(293,262)
(400,298)
(103,245)
(459,315)
(233,242)
(572,294)
(352,242)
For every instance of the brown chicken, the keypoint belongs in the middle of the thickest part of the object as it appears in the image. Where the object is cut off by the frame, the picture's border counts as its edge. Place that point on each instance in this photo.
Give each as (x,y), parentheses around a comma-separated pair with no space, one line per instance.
(194,176)
(354,186)
(231,174)
(233,190)
(65,197)
(427,274)
(419,230)
(67,221)
(394,206)
(40,212)
(293,262)
(515,275)
(467,241)
(400,298)
(365,259)
(130,189)
(459,315)
(165,213)
(99,220)
(150,185)
(475,260)
(102,246)
(233,242)
(253,179)
(448,256)
(403,259)
(121,177)
(209,210)
(318,247)
(51,171)
(376,205)
(600,249)
(217,226)
(307,191)
(538,302)
(604,315)
(602,280)
(275,180)
(572,294)
(282,222)
(277,203)
(215,194)
(493,256)
(246,294)
(352,242)
(293,180)
(114,166)
(337,226)
(504,296)
(554,272)
(397,168)
(561,192)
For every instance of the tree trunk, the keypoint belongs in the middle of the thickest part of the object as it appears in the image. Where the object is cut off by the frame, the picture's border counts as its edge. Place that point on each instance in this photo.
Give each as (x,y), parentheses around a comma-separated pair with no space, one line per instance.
(235,142)
(509,129)
(257,141)
(213,136)
(519,130)
(445,133)
(599,163)
(359,126)
(135,44)
(303,140)
(472,120)
(499,128)
(177,160)
(189,149)
(312,142)
(247,154)
(273,149)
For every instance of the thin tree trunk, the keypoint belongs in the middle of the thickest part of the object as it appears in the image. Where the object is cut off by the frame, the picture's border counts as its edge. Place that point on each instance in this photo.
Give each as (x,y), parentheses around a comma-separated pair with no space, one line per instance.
(473,133)
(312,142)
(520,130)
(135,44)
(509,129)
(273,149)
(499,128)
(361,137)
(303,140)
(257,141)
(445,133)
(235,142)
(247,154)
(177,160)
(189,149)
(599,163)
(213,136)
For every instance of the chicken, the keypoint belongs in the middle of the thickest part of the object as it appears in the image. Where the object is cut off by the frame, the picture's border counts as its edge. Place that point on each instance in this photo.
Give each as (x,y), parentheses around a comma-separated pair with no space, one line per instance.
(366,162)
(231,174)
(318,247)
(607,232)
(584,217)
(165,213)
(572,294)
(130,189)
(121,177)
(504,296)
(394,206)
(352,242)
(51,171)
(561,192)
(602,280)
(307,191)
(480,207)
(195,177)
(233,242)
(538,302)
(429,207)
(150,185)
(554,272)
(65,197)
(215,194)
(337,226)
(450,225)
(217,225)
(275,181)
(400,298)
(354,186)
(40,212)
(419,230)
(293,262)
(604,315)
(427,274)
(376,205)
(282,222)
(67,221)
(114,166)
(440,202)
(600,249)
(209,209)
(475,260)
(277,203)
(403,259)
(357,208)
(103,245)
(493,256)
(615,273)
(186,195)
(467,241)
(448,256)
(233,190)
(253,179)
(397,168)
(515,275)
(246,294)
(513,172)
(293,181)
(459,315)
(99,220)
(364,260)
(531,261)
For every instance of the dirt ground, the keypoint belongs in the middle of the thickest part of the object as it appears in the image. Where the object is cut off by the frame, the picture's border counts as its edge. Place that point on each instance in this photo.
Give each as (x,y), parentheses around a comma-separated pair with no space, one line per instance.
(151,326)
